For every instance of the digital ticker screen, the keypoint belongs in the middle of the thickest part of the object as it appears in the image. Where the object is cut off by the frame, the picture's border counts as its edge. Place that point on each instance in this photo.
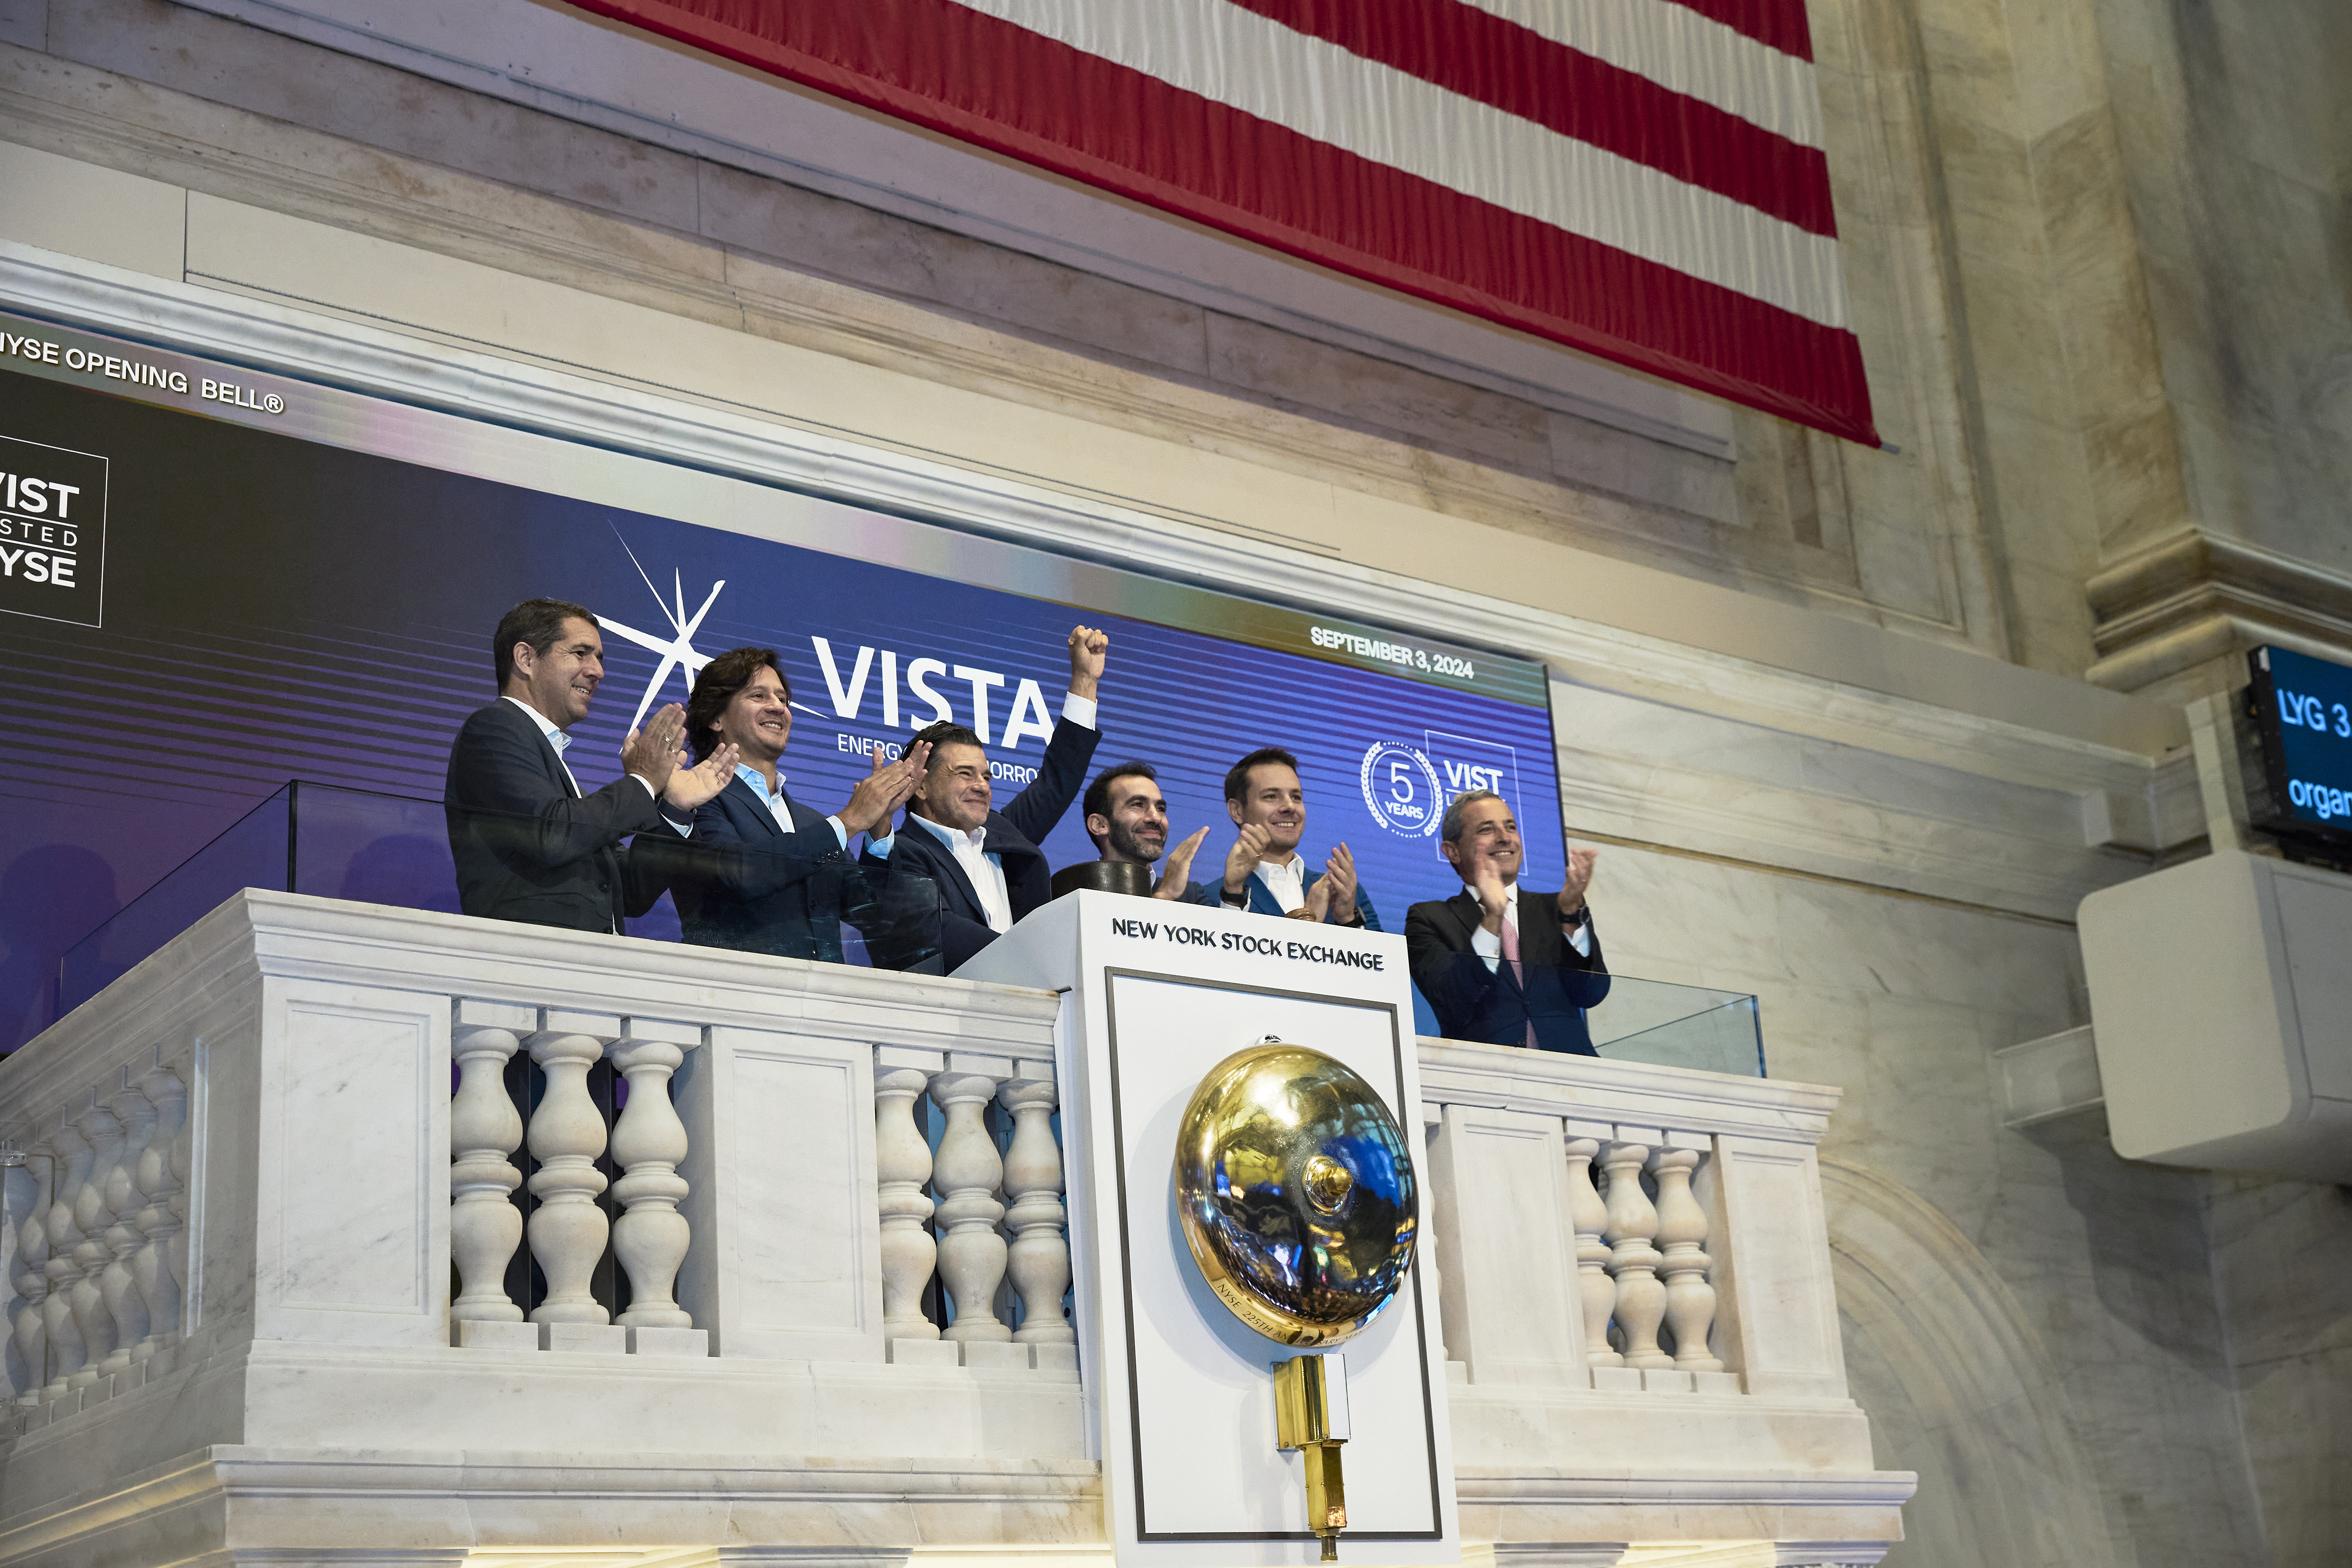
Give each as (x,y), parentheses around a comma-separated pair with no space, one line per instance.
(2303,711)
(212,581)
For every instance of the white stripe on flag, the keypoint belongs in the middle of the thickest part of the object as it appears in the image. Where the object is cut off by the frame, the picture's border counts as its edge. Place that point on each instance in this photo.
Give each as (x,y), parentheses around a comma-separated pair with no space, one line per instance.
(1319,91)
(1683,52)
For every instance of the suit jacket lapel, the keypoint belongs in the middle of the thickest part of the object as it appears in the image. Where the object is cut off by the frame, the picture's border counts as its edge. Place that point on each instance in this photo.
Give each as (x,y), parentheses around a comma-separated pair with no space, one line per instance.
(951,870)
(759,808)
(1463,908)
(1262,901)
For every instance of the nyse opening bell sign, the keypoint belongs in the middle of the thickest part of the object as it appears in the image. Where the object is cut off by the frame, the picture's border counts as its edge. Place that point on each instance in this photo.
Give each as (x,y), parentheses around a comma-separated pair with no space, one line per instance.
(302,582)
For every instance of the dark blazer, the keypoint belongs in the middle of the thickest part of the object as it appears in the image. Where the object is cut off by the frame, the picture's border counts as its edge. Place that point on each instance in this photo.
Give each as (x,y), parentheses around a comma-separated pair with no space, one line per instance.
(1262,901)
(528,845)
(745,883)
(1554,985)
(1012,834)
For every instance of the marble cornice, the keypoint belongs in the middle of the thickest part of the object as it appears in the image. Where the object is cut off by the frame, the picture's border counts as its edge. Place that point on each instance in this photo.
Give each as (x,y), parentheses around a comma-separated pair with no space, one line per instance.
(190,1492)
(295,935)
(259,934)
(1592,1088)
(2194,596)
(1510,1484)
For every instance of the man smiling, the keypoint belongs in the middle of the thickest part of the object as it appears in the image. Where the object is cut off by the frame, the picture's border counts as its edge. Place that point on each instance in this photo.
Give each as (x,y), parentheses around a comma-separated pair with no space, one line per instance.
(1494,962)
(1264,872)
(529,843)
(765,873)
(1127,816)
(986,862)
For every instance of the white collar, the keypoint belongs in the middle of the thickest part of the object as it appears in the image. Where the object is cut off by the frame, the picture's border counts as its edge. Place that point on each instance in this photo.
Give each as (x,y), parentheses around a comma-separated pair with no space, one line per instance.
(555,737)
(953,837)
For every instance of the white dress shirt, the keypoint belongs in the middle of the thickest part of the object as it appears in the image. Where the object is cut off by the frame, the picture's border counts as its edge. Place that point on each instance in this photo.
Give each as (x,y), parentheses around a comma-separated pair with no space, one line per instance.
(1488,945)
(1287,880)
(778,806)
(986,871)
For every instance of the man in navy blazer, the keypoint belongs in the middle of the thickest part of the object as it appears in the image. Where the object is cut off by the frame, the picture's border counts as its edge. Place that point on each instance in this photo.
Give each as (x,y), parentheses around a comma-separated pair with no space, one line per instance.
(762,872)
(529,843)
(1494,962)
(1264,872)
(986,863)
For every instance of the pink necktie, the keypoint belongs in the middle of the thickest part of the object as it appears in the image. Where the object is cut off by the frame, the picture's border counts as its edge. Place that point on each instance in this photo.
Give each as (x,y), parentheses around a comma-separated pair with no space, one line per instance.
(1511,957)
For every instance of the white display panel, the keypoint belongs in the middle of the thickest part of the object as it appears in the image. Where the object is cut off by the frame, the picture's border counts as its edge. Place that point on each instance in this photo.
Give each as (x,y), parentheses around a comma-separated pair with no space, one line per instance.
(1179,1391)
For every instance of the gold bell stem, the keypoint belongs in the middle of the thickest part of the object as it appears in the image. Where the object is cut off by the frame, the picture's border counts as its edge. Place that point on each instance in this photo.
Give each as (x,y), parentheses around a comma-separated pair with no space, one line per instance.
(1327,1495)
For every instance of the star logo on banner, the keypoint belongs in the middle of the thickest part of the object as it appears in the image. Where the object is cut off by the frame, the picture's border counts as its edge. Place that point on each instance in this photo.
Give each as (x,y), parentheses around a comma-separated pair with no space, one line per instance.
(676,650)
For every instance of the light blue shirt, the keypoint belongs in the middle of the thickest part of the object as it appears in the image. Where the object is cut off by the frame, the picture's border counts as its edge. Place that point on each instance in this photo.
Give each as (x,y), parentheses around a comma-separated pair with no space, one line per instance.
(778,806)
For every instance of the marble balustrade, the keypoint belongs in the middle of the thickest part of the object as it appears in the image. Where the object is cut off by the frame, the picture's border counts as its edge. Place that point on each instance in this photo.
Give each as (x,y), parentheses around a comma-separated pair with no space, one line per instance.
(271,1201)
(1638,1192)
(91,1234)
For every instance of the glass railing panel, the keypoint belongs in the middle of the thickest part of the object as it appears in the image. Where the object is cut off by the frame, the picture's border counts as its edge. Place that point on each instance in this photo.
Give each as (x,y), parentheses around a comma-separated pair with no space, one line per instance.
(251,852)
(1669,1025)
(373,848)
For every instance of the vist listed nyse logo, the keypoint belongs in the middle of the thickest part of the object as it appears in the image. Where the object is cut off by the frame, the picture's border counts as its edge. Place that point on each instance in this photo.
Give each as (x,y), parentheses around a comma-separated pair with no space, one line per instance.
(52,533)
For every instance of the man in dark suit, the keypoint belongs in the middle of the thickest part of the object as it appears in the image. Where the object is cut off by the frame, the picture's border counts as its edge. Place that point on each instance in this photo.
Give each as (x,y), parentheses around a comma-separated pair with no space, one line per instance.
(986,862)
(763,872)
(1496,962)
(1127,816)
(1264,872)
(530,845)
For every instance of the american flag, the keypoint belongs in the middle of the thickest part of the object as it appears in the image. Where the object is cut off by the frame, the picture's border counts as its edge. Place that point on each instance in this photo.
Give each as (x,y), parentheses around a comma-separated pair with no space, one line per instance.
(1642,180)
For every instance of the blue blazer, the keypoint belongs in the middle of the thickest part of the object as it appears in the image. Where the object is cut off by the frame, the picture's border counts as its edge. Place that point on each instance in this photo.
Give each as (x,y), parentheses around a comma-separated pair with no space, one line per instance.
(1554,986)
(1012,834)
(745,883)
(1262,901)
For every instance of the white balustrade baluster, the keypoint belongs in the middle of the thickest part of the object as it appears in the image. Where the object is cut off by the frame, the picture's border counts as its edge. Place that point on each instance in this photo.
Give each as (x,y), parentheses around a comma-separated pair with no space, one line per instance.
(485,1128)
(1597,1291)
(902,1163)
(1040,1254)
(648,1143)
(31,1278)
(183,1155)
(151,1265)
(117,1285)
(967,1174)
(1632,1221)
(568,1231)
(91,1254)
(1682,1240)
(66,1352)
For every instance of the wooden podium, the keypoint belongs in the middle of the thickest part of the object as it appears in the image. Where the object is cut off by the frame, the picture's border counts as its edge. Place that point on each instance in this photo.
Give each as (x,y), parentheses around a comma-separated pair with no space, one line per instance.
(1180,1393)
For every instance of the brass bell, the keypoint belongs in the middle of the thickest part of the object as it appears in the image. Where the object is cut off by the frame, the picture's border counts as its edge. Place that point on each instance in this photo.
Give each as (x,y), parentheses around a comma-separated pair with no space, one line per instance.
(1296,1191)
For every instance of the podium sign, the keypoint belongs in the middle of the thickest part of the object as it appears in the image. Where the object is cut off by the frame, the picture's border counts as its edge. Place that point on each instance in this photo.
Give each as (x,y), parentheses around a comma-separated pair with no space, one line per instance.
(1179,1393)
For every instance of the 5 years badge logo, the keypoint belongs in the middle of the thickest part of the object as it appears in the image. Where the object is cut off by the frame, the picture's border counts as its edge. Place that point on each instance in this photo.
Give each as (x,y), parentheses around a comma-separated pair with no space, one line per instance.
(1400,789)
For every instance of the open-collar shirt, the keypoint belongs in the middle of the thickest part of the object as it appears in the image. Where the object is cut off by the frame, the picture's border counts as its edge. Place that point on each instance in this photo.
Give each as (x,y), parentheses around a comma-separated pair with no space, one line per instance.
(986,871)
(779,804)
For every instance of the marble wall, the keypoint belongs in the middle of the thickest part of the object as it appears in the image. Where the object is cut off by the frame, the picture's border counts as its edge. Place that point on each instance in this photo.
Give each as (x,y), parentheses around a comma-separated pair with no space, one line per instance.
(2091,1271)
(2283,1271)
(2096,254)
